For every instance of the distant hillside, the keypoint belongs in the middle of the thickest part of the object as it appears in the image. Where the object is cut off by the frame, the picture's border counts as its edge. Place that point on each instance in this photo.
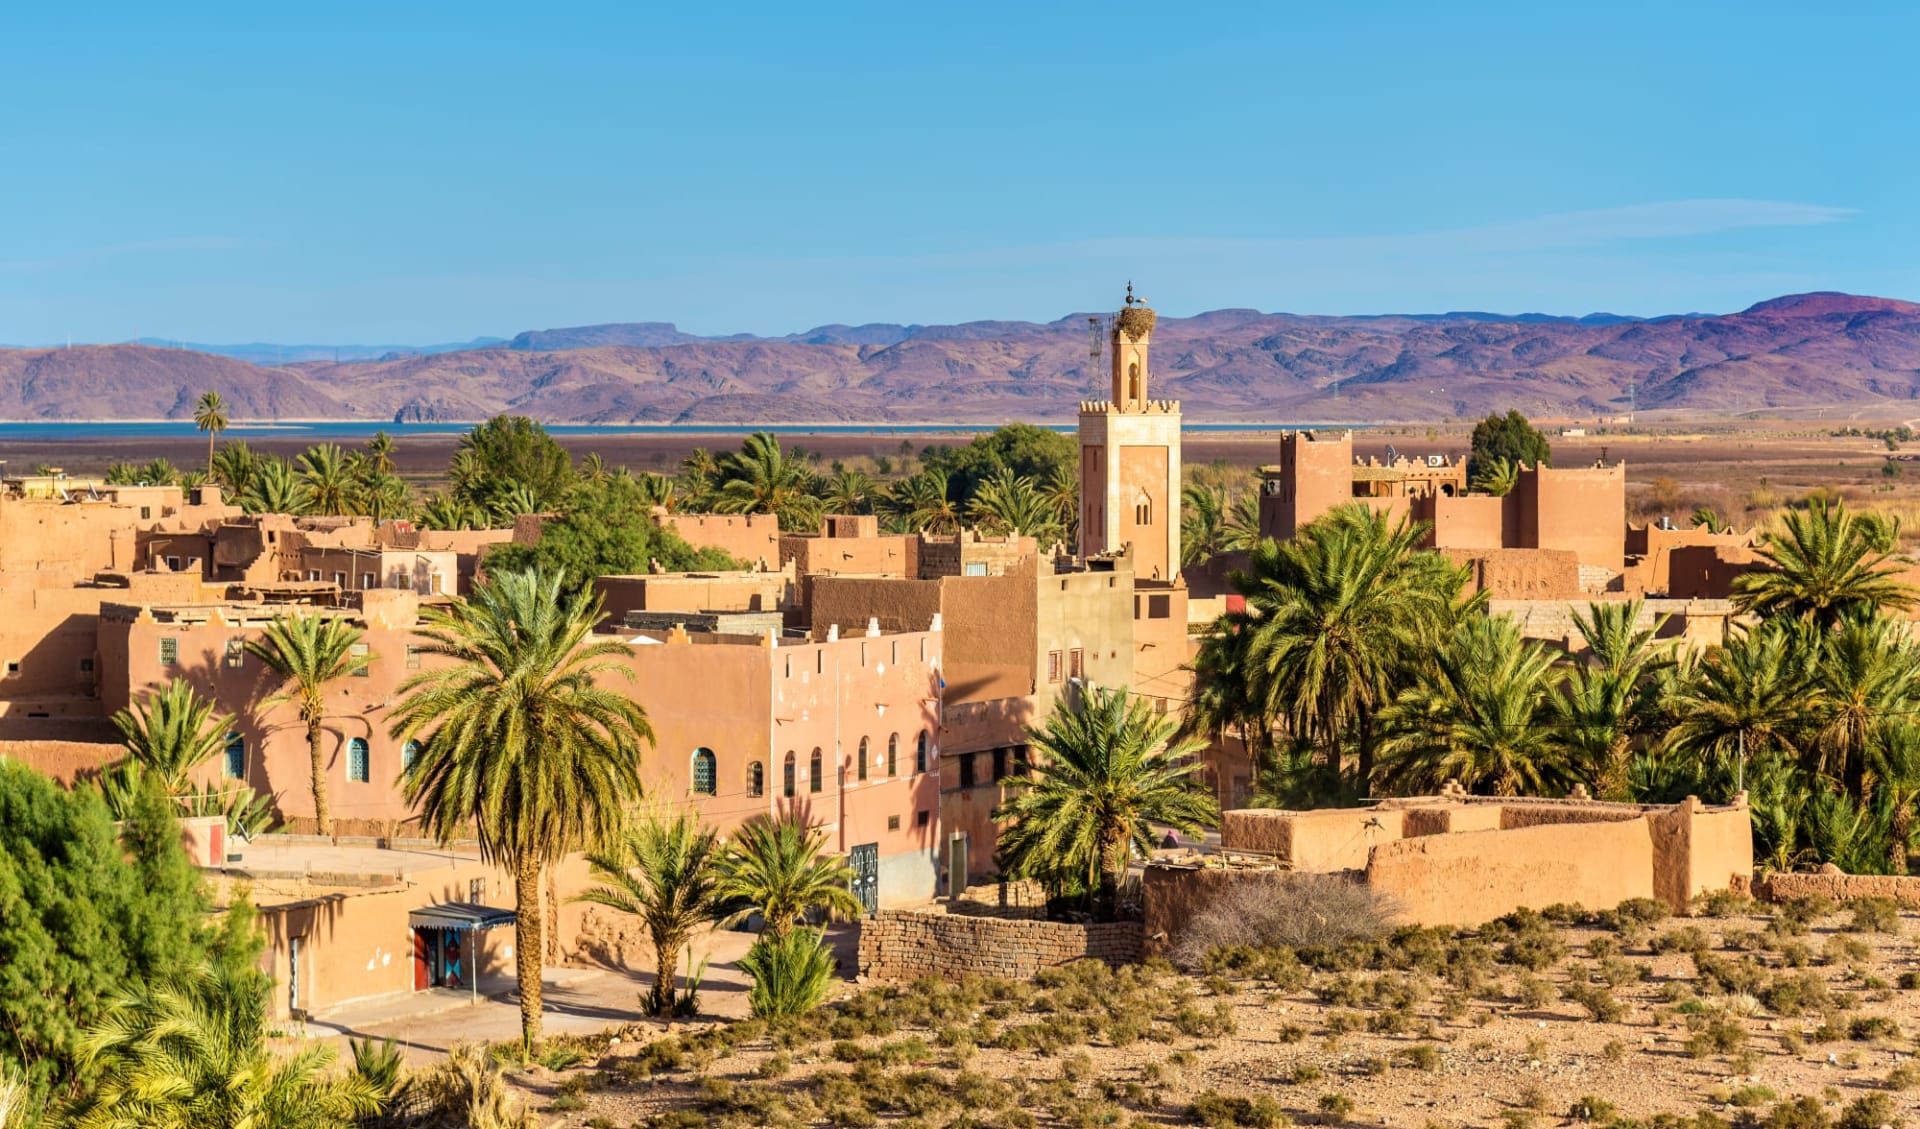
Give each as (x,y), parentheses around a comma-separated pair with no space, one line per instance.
(1798,352)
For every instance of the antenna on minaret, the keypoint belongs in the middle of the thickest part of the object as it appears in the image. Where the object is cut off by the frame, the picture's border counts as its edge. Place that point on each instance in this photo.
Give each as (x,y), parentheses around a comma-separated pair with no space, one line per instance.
(1096,340)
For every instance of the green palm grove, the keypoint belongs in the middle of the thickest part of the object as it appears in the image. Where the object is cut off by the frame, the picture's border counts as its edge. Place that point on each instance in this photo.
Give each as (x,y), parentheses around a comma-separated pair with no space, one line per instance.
(1359,666)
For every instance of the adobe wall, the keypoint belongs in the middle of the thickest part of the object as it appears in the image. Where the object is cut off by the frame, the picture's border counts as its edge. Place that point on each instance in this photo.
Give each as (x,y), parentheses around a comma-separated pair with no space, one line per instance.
(1466,522)
(1173,895)
(989,556)
(1471,878)
(1904,889)
(1162,650)
(1698,850)
(1322,840)
(1707,572)
(65,761)
(1581,509)
(1519,574)
(1090,612)
(749,538)
(880,555)
(900,946)
(1315,474)
(693,592)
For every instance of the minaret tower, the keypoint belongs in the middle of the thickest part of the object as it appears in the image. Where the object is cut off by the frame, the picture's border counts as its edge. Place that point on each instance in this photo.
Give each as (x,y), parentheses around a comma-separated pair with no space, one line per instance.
(1130,457)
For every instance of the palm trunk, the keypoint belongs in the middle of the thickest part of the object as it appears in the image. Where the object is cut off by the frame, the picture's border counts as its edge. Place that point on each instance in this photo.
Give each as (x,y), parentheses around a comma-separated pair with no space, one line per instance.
(321,816)
(1365,767)
(666,955)
(210,436)
(526,952)
(1902,833)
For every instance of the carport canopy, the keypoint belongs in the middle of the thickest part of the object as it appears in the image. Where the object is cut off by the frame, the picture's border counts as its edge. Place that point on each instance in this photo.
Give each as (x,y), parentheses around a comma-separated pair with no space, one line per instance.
(460,915)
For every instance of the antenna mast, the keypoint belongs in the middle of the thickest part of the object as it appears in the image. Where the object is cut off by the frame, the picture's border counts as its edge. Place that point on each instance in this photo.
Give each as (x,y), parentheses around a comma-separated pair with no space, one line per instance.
(1095,346)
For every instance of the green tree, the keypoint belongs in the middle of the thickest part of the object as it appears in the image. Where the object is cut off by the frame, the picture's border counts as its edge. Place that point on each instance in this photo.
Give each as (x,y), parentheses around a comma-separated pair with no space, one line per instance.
(159,472)
(233,467)
(1108,769)
(762,478)
(1507,438)
(309,652)
(274,487)
(329,480)
(1035,453)
(173,732)
(1478,714)
(923,502)
(1497,477)
(605,529)
(507,452)
(442,511)
(1211,524)
(1009,503)
(1612,692)
(1865,679)
(1744,700)
(791,973)
(519,745)
(780,868)
(1061,488)
(1335,621)
(84,913)
(1822,568)
(380,448)
(661,869)
(850,492)
(190,1052)
(210,416)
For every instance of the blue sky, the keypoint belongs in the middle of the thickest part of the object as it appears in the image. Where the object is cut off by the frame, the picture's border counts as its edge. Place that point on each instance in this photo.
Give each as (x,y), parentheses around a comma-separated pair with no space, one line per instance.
(419,173)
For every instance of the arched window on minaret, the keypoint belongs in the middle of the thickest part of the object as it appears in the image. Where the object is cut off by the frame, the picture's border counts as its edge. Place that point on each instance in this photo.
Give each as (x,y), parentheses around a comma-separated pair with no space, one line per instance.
(1133,381)
(1143,511)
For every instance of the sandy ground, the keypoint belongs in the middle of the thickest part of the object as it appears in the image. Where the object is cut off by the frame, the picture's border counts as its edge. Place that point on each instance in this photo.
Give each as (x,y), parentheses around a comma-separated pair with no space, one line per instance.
(1500,1060)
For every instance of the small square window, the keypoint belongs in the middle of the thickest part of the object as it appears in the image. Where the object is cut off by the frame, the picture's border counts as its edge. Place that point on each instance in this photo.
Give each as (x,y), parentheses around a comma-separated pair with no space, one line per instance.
(922,818)
(966,770)
(369,580)
(1076,663)
(340,579)
(86,666)
(235,653)
(360,653)
(1053,666)
(893,823)
(413,657)
(313,574)
(169,651)
(173,564)
(13,667)
(146,512)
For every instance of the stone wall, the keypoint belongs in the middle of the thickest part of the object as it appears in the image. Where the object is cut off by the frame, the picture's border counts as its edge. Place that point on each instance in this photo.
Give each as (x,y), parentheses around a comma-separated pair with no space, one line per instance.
(906,945)
(1904,889)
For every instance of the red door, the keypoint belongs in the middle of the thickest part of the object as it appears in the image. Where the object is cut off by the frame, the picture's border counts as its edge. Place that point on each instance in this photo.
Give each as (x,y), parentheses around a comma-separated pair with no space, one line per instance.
(420,981)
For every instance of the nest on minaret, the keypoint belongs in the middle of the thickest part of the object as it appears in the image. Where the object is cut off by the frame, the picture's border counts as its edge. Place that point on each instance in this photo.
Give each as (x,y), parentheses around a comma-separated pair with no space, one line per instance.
(1136,322)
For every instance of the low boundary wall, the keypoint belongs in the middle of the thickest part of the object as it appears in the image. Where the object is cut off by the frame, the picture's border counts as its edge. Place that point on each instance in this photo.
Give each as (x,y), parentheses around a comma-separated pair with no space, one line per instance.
(1904,889)
(906,945)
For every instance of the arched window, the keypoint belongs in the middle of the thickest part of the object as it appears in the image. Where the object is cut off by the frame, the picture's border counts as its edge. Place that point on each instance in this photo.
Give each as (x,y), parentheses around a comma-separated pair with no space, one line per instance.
(813,771)
(236,760)
(863,758)
(1143,512)
(756,779)
(1133,380)
(409,753)
(359,767)
(787,785)
(920,753)
(893,755)
(706,775)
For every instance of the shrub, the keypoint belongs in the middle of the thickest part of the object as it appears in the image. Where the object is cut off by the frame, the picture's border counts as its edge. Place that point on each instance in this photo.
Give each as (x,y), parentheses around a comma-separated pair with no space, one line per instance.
(791,974)
(1534,949)
(1590,1108)
(1875,915)
(1868,1028)
(1335,1108)
(1804,911)
(1224,1112)
(1868,1112)
(1598,1001)
(1718,1035)
(774,1066)
(1847,950)
(1723,903)
(1730,976)
(1636,911)
(1903,1077)
(1616,972)
(466,1088)
(1803,1112)
(1791,994)
(1421,1056)
(1305,911)
(1908,981)
(1533,992)
(1686,939)
(1304,1073)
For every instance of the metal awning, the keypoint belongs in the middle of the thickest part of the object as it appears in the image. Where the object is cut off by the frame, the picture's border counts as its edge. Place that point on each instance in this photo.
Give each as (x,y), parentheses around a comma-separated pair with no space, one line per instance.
(464,916)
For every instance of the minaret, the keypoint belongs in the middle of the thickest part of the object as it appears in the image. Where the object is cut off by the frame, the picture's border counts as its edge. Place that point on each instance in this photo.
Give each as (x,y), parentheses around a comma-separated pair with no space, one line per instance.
(1130,457)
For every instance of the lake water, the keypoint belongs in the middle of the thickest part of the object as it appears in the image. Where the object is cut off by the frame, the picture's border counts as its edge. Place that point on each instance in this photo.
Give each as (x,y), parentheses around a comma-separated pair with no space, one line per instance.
(354,430)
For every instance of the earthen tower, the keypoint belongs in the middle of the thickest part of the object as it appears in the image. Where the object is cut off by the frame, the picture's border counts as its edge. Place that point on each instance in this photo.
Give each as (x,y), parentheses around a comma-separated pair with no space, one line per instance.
(1130,457)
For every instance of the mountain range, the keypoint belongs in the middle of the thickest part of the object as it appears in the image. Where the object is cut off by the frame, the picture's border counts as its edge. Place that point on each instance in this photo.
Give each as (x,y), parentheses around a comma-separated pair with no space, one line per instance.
(1801,352)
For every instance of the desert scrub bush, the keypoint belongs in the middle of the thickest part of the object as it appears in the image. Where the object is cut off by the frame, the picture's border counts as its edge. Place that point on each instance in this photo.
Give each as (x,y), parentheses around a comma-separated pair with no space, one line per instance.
(1791,994)
(1533,992)
(1806,909)
(1299,911)
(1903,1077)
(1908,981)
(1591,1108)
(1686,939)
(1518,1119)
(1749,1096)
(1730,976)
(1635,911)
(1717,1035)
(1603,946)
(1794,954)
(1598,1000)
(1722,903)
(1303,1074)
(1421,1056)
(1563,913)
(1344,991)
(1335,1108)
(774,1066)
(1389,1023)
(1846,950)
(1870,1111)
(1747,941)
(1373,1065)
(467,1088)
(1533,1097)
(1289,1033)
(1872,1028)
(1873,915)
(1344,1022)
(1803,1112)
(1222,1112)
(1535,949)
(1618,972)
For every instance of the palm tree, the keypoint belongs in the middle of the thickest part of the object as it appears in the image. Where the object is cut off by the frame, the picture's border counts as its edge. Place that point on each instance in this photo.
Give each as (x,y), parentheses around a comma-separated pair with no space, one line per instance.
(1745,699)
(518,745)
(1822,568)
(922,502)
(210,416)
(233,467)
(380,452)
(849,492)
(1062,491)
(761,478)
(1335,619)
(1009,503)
(274,488)
(1866,678)
(325,472)
(1477,715)
(593,468)
(1203,523)
(159,472)
(381,497)
(779,867)
(661,870)
(1612,693)
(1109,769)
(192,1054)
(656,489)
(517,500)
(308,652)
(1498,478)
(441,511)
(173,732)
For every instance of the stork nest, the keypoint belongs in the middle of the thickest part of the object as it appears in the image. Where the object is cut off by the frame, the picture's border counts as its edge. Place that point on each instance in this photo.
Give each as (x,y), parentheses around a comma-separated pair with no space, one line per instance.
(1136,322)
